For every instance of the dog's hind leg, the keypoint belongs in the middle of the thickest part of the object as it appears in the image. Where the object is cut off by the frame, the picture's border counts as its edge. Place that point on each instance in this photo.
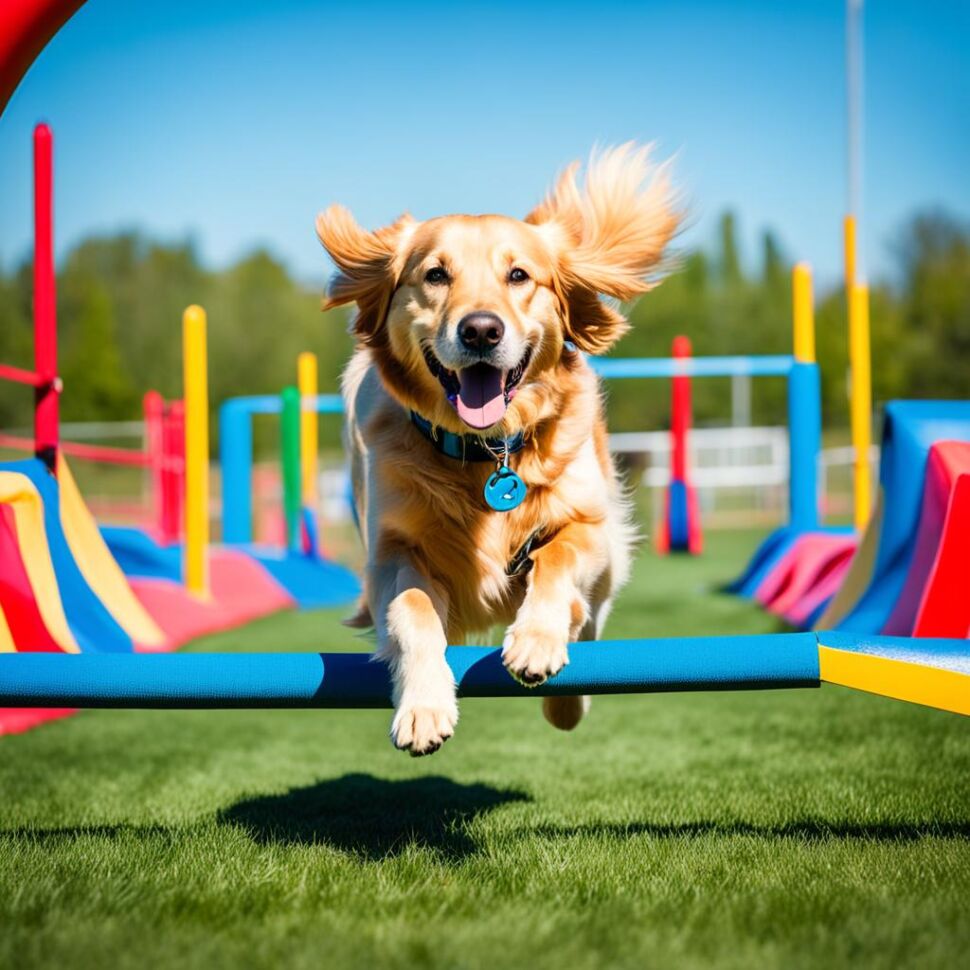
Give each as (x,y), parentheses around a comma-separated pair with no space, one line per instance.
(565,713)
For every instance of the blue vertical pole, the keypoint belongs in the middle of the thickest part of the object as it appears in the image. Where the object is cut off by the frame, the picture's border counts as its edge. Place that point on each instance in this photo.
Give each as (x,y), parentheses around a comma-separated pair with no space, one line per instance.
(805,443)
(236,460)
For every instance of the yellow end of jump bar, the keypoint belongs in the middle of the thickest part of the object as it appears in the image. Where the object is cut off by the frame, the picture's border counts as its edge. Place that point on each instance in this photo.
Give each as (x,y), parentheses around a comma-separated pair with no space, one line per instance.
(947,690)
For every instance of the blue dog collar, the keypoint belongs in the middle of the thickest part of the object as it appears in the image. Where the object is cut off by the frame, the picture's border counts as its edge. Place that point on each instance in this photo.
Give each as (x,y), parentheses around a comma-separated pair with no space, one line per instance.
(466,447)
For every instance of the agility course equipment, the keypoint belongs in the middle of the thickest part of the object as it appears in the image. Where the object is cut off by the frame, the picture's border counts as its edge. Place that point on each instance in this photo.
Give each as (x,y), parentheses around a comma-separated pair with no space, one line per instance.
(61,587)
(804,397)
(162,458)
(196,384)
(935,673)
(891,566)
(302,576)
(909,575)
(680,528)
(236,455)
(905,575)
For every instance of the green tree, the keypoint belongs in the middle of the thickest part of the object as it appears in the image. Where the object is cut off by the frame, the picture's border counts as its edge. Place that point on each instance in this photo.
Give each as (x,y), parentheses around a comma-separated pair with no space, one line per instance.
(97,385)
(730,260)
(934,252)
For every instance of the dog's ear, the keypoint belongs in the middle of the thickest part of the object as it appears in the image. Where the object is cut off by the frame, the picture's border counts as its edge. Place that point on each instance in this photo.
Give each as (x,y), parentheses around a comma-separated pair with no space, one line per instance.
(609,235)
(368,266)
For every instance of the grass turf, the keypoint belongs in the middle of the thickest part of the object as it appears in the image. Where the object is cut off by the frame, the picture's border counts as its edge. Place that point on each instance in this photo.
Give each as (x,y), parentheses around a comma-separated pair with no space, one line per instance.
(734,830)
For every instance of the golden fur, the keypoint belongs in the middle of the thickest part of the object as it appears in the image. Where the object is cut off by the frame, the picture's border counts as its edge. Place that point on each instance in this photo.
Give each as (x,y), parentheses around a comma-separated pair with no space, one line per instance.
(437,555)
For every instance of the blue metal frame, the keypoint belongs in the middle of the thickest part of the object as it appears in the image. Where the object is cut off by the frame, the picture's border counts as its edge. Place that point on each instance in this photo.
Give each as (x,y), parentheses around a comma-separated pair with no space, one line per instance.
(236,457)
(804,410)
(804,422)
(738,366)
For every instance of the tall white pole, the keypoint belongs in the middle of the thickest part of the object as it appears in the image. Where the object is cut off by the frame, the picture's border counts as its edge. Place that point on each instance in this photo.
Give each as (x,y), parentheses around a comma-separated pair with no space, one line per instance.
(856,290)
(853,92)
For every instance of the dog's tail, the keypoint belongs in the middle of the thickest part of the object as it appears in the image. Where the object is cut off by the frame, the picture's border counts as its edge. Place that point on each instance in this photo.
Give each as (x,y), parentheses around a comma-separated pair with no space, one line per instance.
(565,712)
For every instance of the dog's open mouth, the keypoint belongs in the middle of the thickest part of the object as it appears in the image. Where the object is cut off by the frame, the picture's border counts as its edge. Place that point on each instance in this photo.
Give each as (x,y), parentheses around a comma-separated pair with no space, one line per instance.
(480,393)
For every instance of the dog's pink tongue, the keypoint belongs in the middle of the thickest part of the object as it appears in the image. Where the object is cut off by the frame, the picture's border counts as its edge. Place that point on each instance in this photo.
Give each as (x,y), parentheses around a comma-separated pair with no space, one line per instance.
(481,399)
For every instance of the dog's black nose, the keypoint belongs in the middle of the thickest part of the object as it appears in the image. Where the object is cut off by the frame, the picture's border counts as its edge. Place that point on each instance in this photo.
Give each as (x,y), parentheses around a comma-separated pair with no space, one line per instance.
(480,330)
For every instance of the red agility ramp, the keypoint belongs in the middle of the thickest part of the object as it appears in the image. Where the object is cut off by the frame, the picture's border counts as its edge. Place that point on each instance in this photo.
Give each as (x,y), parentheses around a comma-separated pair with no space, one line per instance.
(806,575)
(935,599)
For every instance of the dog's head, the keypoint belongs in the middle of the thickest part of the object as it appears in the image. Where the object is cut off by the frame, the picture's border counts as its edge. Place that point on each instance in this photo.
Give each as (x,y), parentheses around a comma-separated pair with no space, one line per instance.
(468,315)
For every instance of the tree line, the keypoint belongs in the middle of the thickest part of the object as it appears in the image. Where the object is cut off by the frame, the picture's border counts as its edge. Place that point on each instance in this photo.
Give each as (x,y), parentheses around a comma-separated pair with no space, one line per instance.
(120,300)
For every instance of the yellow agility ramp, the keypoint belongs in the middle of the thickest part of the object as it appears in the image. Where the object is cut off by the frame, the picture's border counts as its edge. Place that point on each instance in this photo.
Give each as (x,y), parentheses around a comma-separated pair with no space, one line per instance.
(859,576)
(98,566)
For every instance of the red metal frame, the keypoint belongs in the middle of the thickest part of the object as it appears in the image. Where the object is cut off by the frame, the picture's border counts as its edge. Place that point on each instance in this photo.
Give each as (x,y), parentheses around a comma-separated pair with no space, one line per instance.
(19,376)
(43,378)
(101,453)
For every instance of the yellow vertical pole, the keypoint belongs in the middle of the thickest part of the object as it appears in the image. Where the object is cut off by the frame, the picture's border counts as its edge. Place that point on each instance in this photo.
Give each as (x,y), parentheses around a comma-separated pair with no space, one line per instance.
(849,249)
(196,391)
(803,314)
(860,400)
(860,378)
(306,371)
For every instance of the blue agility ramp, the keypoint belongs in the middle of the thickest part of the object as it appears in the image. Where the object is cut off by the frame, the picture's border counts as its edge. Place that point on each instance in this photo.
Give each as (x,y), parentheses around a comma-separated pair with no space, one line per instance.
(931,672)
(873,587)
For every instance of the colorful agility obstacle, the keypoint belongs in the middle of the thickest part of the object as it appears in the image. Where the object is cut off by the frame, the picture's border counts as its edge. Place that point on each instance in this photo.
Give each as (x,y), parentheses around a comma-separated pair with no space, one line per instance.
(62,588)
(935,673)
(908,574)
(680,528)
(799,565)
(804,397)
(236,417)
(306,579)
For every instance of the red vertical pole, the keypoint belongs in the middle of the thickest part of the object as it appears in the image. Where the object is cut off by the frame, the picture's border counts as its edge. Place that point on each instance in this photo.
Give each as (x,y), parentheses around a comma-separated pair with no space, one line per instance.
(681,529)
(46,410)
(680,413)
(153,407)
(173,472)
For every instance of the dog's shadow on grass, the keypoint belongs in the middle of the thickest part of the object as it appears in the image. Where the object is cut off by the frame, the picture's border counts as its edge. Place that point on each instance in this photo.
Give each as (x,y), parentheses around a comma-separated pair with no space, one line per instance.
(370,816)
(801,830)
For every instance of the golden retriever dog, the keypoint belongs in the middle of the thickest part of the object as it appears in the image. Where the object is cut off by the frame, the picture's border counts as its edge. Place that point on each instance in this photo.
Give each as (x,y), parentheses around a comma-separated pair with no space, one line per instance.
(469,377)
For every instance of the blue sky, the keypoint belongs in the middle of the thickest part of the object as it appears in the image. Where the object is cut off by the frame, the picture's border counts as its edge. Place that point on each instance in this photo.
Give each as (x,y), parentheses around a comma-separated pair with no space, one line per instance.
(234,123)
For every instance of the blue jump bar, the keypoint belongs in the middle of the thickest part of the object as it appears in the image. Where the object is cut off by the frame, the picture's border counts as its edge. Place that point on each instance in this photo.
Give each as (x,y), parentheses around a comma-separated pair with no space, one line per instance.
(621,367)
(349,680)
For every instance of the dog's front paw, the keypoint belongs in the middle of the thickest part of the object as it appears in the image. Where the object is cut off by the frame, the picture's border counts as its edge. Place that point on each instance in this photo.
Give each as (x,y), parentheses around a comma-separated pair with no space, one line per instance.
(422,728)
(532,654)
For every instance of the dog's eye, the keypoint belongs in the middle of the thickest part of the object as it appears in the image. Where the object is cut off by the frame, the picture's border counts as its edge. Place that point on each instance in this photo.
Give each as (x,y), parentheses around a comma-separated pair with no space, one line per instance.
(436,276)
(518,275)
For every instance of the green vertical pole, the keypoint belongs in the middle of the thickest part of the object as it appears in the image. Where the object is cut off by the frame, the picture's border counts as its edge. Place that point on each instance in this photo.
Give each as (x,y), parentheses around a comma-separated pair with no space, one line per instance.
(290,463)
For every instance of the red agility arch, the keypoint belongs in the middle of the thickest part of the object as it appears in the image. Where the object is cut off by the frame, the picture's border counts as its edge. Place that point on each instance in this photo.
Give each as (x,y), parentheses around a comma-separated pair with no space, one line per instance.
(25,28)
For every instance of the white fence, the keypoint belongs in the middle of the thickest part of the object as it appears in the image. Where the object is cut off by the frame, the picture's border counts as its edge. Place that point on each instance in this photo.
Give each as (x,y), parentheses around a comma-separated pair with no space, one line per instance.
(737,471)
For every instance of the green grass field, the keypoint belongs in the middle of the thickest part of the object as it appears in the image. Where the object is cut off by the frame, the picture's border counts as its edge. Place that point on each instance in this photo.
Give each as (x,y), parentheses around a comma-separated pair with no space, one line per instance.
(795,829)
